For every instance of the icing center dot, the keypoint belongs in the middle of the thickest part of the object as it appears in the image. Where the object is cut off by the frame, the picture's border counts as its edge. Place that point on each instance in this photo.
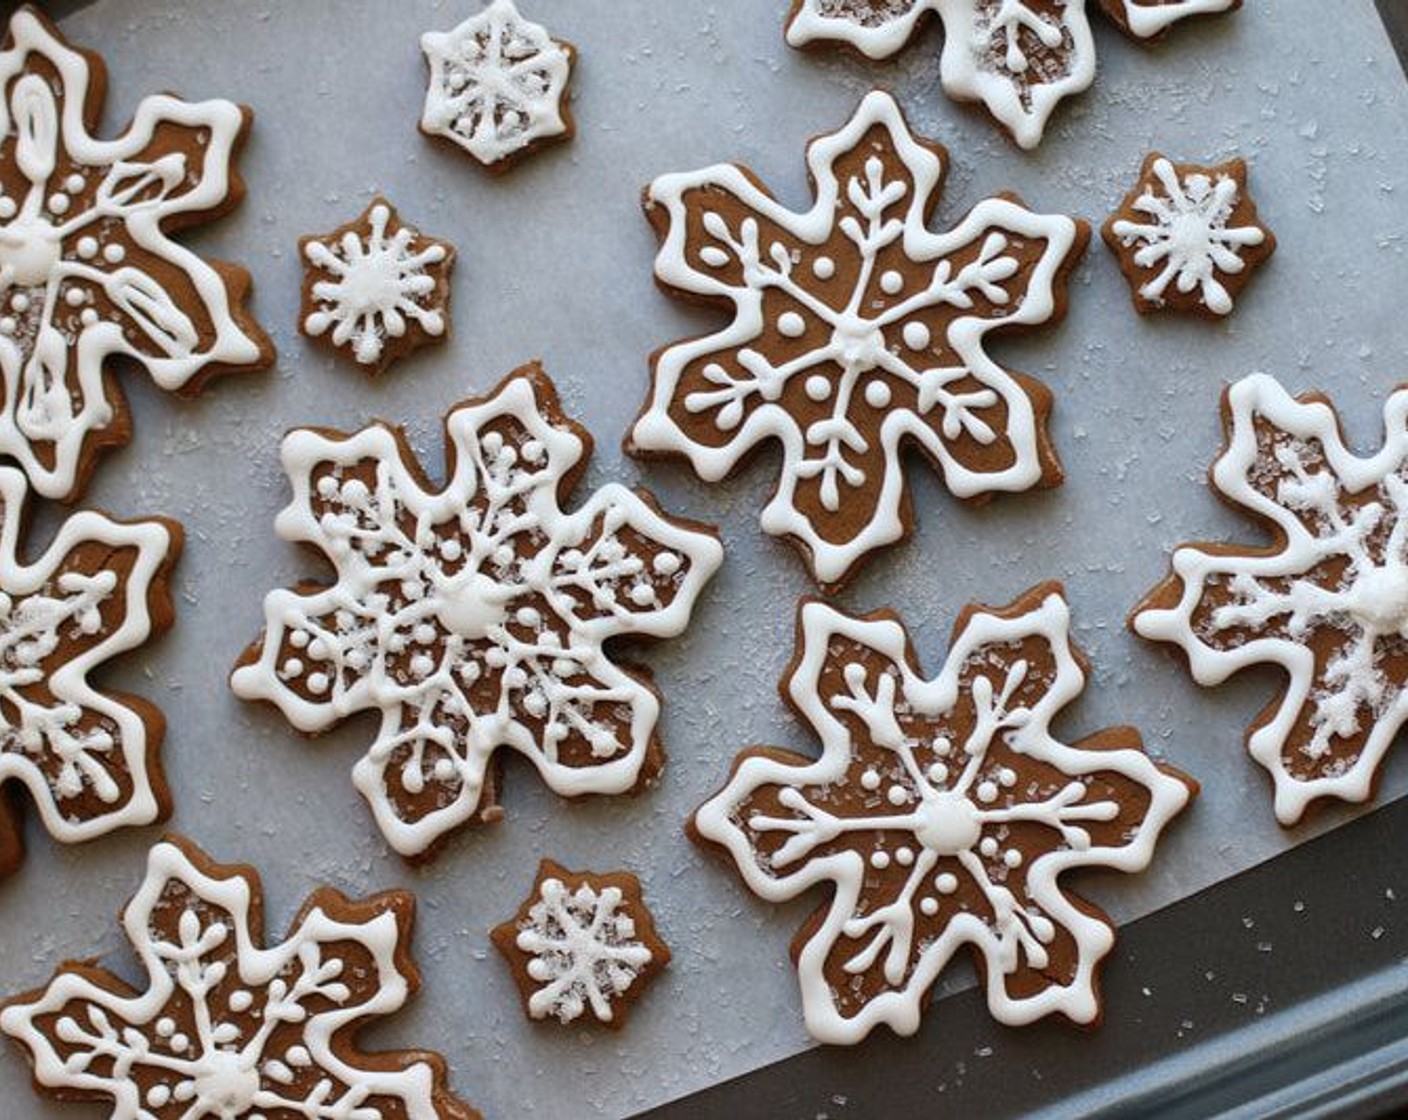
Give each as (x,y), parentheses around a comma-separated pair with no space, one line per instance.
(375,283)
(30,250)
(227,1086)
(1378,600)
(1190,235)
(948,824)
(472,606)
(861,345)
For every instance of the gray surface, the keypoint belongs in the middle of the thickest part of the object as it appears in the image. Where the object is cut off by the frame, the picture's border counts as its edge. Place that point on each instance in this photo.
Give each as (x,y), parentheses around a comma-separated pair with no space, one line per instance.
(555,264)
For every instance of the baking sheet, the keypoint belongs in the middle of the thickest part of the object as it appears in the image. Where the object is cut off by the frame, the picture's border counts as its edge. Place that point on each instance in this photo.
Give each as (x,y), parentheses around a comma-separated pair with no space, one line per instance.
(555,263)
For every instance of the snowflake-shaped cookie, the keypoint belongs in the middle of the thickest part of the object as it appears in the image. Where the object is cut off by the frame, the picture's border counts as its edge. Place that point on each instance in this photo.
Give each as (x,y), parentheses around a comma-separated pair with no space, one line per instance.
(498,86)
(856,331)
(88,758)
(942,812)
(376,289)
(582,944)
(227,1029)
(1020,58)
(475,617)
(88,272)
(1188,237)
(1326,600)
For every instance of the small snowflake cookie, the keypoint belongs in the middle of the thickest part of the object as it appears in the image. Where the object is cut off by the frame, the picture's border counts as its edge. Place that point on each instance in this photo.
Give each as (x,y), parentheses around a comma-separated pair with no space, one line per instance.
(374,289)
(88,272)
(1326,601)
(498,86)
(227,1028)
(475,617)
(88,758)
(942,813)
(582,945)
(1187,237)
(1019,58)
(856,331)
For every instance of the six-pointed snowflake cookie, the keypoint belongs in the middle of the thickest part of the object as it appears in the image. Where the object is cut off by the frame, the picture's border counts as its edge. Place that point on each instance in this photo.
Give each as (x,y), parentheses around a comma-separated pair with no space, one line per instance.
(227,1028)
(941,813)
(1326,600)
(88,758)
(1188,237)
(1020,58)
(475,617)
(856,332)
(498,86)
(375,289)
(88,271)
(582,945)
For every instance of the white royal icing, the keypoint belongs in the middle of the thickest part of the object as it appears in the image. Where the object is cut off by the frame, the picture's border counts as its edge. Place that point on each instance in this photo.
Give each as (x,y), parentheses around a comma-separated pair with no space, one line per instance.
(497,83)
(1282,597)
(583,951)
(431,596)
(374,285)
(855,368)
(1018,58)
(64,250)
(1187,237)
(949,814)
(59,736)
(248,1063)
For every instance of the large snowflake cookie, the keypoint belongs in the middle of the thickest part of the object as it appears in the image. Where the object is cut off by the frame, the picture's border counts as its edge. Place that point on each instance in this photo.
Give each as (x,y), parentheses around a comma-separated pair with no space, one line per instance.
(1188,237)
(856,331)
(475,617)
(88,271)
(1326,600)
(941,813)
(582,945)
(498,86)
(1020,58)
(226,1028)
(376,289)
(88,758)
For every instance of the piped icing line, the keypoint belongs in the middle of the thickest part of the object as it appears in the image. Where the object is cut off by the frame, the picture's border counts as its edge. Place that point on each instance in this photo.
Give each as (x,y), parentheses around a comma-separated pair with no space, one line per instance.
(83,246)
(917,369)
(87,758)
(1286,463)
(903,822)
(209,1035)
(474,617)
(498,85)
(1148,19)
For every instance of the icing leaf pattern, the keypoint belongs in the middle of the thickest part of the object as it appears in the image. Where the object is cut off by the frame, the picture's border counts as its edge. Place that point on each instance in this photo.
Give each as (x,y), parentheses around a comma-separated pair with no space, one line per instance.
(942,812)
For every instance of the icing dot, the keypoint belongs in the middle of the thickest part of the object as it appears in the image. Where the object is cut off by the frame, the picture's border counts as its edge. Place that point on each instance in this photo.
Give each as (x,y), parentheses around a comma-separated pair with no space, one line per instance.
(880,860)
(421,665)
(818,387)
(946,883)
(877,394)
(75,297)
(293,667)
(74,183)
(58,203)
(443,770)
(988,847)
(87,247)
(158,1096)
(241,1000)
(564,667)
(928,906)
(1007,777)
(533,451)
(7,325)
(904,856)
(536,704)
(20,302)
(666,564)
(7,208)
(823,268)
(88,317)
(165,1028)
(897,795)
(503,555)
(318,683)
(298,639)
(1012,858)
(528,616)
(938,773)
(943,746)
(917,336)
(180,1042)
(791,325)
(642,595)
(114,254)
(870,780)
(987,792)
(451,549)
(892,282)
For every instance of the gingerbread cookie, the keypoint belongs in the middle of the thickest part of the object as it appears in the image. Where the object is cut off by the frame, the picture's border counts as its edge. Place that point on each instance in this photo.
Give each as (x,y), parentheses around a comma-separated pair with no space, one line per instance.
(375,289)
(1326,600)
(1187,237)
(1019,58)
(89,759)
(941,812)
(88,270)
(856,332)
(582,945)
(498,86)
(227,1028)
(475,617)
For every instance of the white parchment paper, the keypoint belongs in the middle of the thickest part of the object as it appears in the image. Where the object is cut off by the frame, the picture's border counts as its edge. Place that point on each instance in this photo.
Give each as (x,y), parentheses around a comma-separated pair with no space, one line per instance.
(555,263)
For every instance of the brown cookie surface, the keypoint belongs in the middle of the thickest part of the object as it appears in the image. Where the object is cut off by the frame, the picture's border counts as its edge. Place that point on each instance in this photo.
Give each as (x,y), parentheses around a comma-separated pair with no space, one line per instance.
(582,945)
(226,1026)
